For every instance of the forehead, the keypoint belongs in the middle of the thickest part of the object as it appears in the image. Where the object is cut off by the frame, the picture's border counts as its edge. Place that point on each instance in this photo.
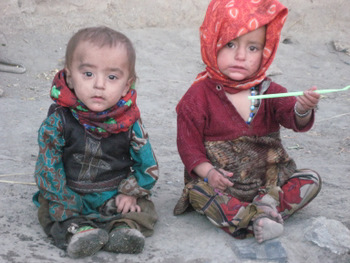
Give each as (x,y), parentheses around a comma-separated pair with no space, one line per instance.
(87,47)
(257,35)
(106,54)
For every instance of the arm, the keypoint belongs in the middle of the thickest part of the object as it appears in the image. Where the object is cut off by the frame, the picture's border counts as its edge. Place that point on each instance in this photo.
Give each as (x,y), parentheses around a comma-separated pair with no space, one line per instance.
(191,122)
(283,111)
(145,171)
(49,172)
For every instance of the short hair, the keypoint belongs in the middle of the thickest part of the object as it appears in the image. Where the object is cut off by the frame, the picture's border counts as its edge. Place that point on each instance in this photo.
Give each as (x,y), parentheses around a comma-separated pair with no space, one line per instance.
(102,36)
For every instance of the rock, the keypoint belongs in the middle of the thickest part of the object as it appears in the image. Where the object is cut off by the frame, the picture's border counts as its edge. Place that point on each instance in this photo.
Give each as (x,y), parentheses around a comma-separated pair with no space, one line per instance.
(273,71)
(1,93)
(270,251)
(341,47)
(330,234)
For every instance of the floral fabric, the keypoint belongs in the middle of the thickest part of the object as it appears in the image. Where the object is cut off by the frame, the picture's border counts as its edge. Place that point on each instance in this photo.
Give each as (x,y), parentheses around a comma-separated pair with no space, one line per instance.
(114,120)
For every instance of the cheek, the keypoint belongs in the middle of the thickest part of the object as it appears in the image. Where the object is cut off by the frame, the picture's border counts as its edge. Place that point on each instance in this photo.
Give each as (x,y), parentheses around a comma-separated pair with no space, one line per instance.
(221,60)
(70,82)
(256,62)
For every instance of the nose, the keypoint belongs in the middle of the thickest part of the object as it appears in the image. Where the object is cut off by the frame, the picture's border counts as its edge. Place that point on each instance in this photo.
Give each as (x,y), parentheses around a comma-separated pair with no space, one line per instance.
(240,53)
(99,82)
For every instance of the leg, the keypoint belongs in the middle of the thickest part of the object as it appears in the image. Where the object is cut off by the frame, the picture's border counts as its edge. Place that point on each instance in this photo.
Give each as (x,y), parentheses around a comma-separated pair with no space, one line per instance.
(79,236)
(223,210)
(127,235)
(298,191)
(143,221)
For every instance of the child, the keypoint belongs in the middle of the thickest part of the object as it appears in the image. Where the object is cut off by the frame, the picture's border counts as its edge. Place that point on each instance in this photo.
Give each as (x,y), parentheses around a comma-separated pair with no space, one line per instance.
(96,167)
(237,172)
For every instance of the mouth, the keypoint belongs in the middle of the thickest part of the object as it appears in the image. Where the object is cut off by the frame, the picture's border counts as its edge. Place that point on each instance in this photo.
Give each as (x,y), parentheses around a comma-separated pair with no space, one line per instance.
(237,69)
(97,98)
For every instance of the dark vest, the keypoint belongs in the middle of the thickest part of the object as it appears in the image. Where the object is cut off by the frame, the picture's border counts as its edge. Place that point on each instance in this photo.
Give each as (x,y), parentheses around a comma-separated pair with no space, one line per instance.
(92,163)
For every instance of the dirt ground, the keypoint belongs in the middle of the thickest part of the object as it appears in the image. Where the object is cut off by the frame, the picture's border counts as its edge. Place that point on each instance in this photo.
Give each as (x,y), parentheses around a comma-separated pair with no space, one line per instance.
(314,50)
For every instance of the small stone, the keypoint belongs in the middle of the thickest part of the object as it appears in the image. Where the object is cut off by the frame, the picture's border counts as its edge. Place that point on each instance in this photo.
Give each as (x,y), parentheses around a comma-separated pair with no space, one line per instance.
(271,250)
(329,233)
(1,93)
(341,47)
(289,41)
(274,71)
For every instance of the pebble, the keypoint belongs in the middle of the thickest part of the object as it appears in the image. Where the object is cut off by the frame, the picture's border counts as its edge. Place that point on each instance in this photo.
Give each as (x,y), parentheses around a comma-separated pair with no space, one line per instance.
(330,234)
(270,251)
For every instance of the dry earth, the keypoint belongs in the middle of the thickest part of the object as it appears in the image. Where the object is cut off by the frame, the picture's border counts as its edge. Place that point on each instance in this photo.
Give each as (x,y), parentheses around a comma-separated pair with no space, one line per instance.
(34,33)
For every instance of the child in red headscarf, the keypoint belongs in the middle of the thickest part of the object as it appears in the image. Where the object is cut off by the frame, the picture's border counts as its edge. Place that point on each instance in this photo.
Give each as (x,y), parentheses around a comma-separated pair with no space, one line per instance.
(237,172)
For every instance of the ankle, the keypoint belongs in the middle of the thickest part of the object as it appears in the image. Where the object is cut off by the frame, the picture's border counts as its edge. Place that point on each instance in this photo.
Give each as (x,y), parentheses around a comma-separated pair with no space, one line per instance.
(84,229)
(120,226)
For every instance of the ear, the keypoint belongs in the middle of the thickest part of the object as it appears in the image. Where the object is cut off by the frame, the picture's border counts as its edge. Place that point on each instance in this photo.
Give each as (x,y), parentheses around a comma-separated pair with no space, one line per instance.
(69,78)
(127,86)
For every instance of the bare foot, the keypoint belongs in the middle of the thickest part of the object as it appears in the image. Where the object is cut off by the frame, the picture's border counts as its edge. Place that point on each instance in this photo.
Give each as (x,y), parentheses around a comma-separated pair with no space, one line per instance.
(266,228)
(269,226)
(272,213)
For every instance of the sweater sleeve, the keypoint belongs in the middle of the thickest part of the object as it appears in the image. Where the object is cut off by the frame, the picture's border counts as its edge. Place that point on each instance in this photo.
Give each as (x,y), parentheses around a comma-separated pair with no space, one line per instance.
(50,176)
(191,122)
(145,169)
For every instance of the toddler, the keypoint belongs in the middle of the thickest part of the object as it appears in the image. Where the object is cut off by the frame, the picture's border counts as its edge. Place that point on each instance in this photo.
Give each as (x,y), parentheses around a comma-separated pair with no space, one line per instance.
(96,167)
(237,172)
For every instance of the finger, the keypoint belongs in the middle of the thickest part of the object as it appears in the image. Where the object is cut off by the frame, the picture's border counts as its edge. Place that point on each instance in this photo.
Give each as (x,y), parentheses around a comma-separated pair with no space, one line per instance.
(126,208)
(138,208)
(301,102)
(313,88)
(313,96)
(117,200)
(309,102)
(132,209)
(226,173)
(304,103)
(120,207)
(227,183)
(223,184)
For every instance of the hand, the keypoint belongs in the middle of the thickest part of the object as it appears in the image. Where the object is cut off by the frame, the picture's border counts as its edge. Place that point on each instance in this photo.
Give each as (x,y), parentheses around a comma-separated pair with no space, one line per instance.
(217,178)
(308,101)
(126,203)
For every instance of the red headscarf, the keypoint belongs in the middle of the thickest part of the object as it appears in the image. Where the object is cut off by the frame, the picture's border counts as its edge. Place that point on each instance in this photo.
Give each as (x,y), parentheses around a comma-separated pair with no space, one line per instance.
(228,19)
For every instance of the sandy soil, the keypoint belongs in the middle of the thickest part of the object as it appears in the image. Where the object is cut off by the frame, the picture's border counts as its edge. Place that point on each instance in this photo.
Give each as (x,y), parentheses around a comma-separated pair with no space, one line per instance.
(34,33)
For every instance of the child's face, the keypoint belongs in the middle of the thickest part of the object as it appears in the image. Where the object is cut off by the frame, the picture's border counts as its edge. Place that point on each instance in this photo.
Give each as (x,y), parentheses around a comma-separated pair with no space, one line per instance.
(241,57)
(99,76)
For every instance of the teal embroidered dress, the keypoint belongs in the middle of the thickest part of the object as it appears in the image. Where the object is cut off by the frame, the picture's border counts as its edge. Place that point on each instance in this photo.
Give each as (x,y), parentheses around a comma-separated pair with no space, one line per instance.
(50,175)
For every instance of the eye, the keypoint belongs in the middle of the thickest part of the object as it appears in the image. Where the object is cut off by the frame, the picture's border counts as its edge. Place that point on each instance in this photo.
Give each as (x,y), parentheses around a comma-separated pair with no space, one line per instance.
(112,77)
(253,48)
(230,44)
(88,74)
